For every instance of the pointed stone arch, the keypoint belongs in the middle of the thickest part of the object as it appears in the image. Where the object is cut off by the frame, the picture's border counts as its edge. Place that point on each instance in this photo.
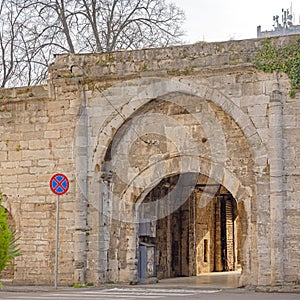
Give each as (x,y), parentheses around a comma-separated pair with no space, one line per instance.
(162,87)
(132,198)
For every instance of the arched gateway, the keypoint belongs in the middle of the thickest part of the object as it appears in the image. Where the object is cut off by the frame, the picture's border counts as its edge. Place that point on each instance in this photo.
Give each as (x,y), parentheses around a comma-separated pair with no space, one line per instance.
(181,160)
(175,172)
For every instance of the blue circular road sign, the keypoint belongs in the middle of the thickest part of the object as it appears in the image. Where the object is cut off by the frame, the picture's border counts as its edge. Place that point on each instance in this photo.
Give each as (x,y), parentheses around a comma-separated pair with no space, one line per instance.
(59,184)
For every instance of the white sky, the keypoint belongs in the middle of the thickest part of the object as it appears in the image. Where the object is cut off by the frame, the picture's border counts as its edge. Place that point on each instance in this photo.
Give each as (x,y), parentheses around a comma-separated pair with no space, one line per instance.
(221,20)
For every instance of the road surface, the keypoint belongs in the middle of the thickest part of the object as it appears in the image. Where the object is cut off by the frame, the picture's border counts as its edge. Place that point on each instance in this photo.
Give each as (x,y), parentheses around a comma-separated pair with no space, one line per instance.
(137,293)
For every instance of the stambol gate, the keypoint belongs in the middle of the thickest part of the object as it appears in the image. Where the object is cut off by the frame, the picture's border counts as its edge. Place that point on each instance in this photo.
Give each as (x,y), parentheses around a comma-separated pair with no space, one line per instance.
(59,185)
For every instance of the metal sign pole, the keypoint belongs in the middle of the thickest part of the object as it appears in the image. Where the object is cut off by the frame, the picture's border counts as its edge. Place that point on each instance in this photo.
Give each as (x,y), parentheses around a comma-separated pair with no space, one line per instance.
(59,185)
(56,241)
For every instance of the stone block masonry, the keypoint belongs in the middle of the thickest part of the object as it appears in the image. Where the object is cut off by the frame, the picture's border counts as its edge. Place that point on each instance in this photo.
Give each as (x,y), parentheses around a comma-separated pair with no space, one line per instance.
(34,145)
(122,126)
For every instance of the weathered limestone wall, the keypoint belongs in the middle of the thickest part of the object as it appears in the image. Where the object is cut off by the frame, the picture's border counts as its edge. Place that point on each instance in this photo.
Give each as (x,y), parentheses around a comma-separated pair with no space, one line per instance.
(71,124)
(291,219)
(36,133)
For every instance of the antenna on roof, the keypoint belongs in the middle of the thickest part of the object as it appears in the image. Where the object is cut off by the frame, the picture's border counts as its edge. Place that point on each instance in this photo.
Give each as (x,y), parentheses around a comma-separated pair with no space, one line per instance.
(284,25)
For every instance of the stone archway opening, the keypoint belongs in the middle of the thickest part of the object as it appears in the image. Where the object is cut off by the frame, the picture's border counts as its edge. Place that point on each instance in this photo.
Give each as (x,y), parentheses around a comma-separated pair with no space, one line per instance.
(141,165)
(200,231)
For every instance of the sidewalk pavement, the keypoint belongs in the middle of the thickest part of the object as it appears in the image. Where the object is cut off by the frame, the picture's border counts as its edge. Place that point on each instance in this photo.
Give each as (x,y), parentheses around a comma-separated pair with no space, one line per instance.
(221,280)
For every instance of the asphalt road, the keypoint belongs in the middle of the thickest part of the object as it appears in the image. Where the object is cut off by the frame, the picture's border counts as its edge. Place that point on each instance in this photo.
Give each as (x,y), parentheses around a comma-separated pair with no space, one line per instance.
(145,293)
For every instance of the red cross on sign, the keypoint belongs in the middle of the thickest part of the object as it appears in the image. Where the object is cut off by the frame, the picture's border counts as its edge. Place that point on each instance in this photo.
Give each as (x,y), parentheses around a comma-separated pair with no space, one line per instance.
(59,184)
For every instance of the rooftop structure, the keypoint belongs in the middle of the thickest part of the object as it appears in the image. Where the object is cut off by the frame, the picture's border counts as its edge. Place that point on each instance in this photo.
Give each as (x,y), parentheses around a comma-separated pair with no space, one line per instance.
(287,27)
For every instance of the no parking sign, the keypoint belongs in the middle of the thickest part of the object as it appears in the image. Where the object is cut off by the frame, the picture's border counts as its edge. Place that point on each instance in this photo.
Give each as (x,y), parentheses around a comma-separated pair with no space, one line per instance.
(59,185)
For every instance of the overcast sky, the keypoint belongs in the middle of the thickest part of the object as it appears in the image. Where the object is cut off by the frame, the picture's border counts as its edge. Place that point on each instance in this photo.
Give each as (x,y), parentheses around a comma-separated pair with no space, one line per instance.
(221,20)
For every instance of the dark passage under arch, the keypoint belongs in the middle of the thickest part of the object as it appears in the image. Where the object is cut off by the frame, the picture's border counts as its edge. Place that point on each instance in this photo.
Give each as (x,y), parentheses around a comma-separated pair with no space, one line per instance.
(199,234)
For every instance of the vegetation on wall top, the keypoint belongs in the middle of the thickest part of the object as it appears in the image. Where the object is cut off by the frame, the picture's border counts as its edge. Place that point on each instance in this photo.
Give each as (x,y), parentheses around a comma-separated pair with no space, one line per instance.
(281,59)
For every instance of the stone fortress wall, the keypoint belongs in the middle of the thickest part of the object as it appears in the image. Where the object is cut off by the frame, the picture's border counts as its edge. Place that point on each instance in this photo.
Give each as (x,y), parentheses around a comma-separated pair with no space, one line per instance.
(243,131)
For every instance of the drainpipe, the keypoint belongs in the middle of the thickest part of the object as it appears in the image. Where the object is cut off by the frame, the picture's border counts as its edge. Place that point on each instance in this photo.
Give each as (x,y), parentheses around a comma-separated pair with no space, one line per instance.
(276,185)
(81,157)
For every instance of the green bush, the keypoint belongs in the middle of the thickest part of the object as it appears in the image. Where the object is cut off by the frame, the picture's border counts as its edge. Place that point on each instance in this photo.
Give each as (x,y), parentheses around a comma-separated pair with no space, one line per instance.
(281,59)
(8,241)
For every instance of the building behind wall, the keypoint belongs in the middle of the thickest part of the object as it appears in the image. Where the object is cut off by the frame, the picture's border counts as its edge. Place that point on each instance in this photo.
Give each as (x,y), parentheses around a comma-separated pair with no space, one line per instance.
(287,27)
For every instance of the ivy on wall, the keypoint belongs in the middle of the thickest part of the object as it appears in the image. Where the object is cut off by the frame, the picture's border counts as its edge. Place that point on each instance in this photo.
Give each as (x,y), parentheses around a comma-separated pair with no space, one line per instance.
(282,59)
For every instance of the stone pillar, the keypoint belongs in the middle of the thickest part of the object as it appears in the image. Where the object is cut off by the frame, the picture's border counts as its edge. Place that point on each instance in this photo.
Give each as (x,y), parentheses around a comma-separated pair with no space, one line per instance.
(81,160)
(275,150)
(104,224)
(133,242)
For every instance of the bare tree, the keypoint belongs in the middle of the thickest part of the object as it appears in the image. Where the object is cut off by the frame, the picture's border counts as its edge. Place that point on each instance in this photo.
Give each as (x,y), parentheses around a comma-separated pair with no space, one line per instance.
(22,59)
(9,32)
(33,31)
(129,24)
